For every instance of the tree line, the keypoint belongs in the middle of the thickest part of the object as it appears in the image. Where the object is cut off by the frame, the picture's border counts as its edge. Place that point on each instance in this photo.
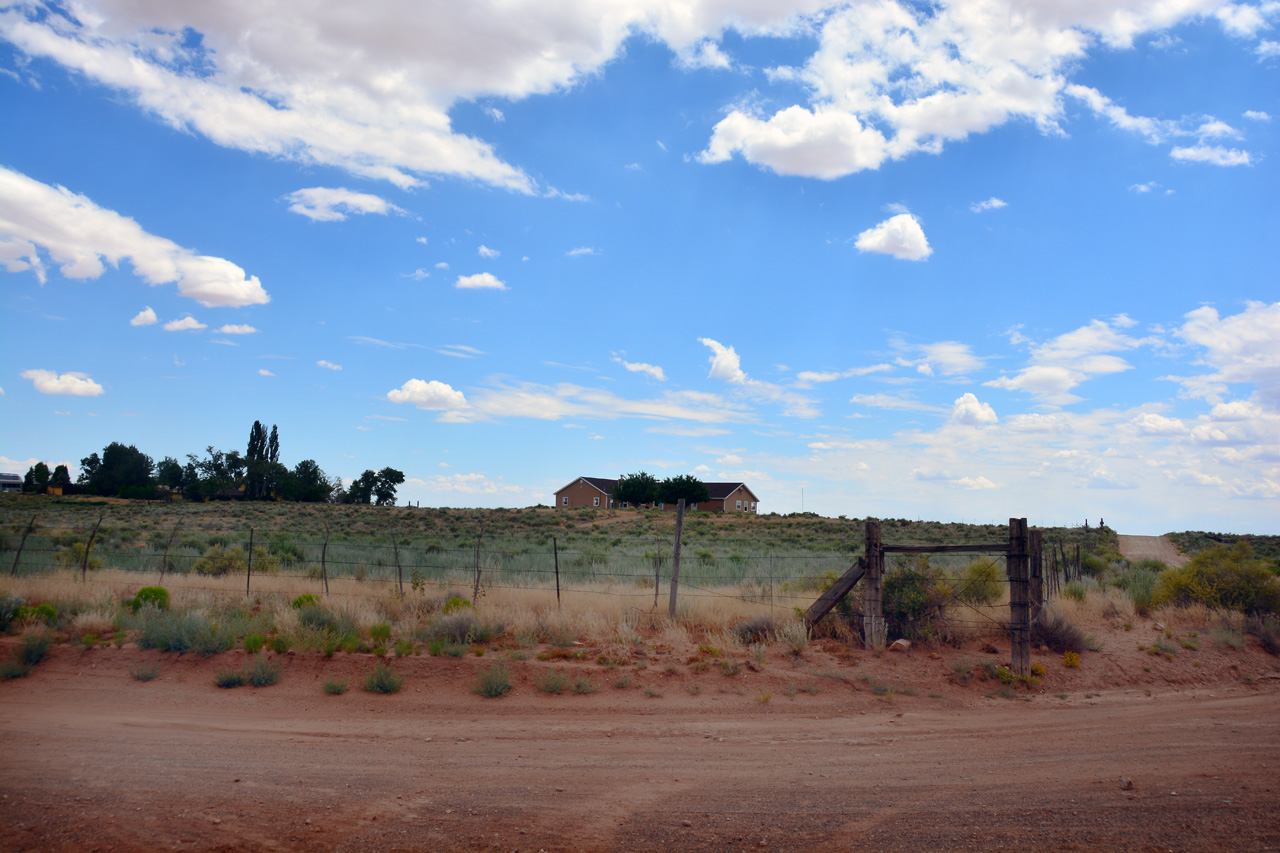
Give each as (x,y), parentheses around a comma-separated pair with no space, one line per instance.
(257,474)
(643,488)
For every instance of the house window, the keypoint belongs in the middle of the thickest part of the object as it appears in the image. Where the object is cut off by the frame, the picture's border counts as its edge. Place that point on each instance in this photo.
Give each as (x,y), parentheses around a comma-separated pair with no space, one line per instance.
(753,506)
(737,504)
(693,507)
(595,501)
(564,501)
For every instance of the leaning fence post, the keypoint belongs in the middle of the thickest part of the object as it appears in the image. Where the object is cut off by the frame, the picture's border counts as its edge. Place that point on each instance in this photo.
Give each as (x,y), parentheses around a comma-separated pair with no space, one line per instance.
(675,558)
(1035,586)
(164,559)
(873,627)
(555,552)
(475,593)
(31,525)
(248,571)
(84,564)
(1019,612)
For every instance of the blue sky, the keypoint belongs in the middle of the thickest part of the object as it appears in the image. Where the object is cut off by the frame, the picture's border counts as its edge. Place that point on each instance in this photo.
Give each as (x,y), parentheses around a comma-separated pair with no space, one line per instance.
(959,260)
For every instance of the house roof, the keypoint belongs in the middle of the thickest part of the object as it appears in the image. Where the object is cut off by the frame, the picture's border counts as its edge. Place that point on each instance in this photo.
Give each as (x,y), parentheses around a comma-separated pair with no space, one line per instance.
(600,483)
(721,491)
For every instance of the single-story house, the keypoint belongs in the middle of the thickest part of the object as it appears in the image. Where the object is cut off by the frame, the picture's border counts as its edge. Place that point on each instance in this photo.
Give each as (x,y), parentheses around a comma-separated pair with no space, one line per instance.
(10,482)
(598,492)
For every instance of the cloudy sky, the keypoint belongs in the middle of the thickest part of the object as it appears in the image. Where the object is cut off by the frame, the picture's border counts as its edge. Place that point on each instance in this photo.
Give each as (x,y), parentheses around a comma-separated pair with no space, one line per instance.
(958,260)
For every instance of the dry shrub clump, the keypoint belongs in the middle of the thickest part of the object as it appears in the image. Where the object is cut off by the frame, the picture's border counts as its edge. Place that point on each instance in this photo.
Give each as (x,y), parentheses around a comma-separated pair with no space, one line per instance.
(1055,630)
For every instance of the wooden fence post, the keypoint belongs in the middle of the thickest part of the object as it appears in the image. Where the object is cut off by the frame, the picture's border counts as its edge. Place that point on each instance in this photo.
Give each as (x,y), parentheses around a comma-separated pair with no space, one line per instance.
(31,525)
(873,627)
(475,593)
(675,558)
(1035,587)
(324,566)
(164,559)
(248,571)
(395,547)
(84,564)
(1019,611)
(555,551)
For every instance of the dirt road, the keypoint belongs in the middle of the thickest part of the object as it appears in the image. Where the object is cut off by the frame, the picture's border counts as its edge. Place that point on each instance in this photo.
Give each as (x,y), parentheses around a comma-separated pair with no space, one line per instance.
(1134,548)
(94,760)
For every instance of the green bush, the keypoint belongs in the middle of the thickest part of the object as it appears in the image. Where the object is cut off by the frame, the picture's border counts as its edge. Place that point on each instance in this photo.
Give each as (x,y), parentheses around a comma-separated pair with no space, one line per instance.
(263,671)
(219,560)
(380,633)
(493,681)
(1140,585)
(552,681)
(145,673)
(383,679)
(156,596)
(182,632)
(1092,565)
(280,643)
(305,600)
(315,616)
(254,643)
(1224,576)
(454,603)
(981,582)
(9,607)
(226,678)
(335,686)
(46,613)
(404,648)
(913,600)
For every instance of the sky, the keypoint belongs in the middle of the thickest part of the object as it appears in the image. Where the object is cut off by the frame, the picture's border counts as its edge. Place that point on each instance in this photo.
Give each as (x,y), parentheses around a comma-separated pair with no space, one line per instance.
(960,261)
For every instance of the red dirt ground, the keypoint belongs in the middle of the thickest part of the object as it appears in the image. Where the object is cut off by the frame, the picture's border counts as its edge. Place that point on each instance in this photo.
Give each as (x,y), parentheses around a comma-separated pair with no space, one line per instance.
(94,760)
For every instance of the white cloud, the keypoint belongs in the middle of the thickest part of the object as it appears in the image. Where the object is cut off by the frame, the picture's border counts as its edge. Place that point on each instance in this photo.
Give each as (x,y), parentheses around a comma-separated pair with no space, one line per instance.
(992,203)
(1267,49)
(237,329)
(1143,188)
(418,275)
(328,365)
(479,281)
(1241,19)
(969,411)
(80,236)
(951,358)
(73,384)
(888,401)
(900,236)
(422,240)
(725,364)
(640,367)
(811,376)
(633,167)
(459,351)
(332,204)
(145,317)
(467,484)
(704,54)
(186,324)
(1240,349)
(1059,365)
(428,395)
(1216,155)
(262,371)
(495,114)
(1257,115)
(442,265)
(486,252)
(582,251)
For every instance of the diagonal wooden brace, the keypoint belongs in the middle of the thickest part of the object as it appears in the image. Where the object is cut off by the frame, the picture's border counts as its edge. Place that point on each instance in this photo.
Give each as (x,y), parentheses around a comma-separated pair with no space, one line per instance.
(835,592)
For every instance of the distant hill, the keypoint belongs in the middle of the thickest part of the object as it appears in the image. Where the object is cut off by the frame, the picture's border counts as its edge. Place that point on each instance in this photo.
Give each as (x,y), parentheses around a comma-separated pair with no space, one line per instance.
(1192,541)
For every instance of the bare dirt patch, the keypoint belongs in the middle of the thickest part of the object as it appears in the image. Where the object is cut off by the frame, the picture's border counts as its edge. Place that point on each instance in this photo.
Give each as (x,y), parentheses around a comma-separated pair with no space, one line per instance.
(839,749)
(1135,548)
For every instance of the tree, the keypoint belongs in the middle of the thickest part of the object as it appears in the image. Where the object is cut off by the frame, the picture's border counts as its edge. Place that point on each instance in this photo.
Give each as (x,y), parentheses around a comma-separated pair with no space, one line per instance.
(37,479)
(169,473)
(273,446)
(384,489)
(217,473)
(361,489)
(121,467)
(255,487)
(306,483)
(684,486)
(636,489)
(61,477)
(89,469)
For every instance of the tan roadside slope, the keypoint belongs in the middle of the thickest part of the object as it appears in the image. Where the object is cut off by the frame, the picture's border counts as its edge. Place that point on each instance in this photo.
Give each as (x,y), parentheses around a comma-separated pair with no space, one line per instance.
(1135,548)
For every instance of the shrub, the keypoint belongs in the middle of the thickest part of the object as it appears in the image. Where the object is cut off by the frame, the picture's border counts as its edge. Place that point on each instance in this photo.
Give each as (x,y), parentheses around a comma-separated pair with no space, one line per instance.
(181,632)
(795,636)
(913,600)
(33,648)
(981,583)
(552,681)
(314,616)
(46,613)
(1222,576)
(335,686)
(380,633)
(1056,631)
(226,678)
(1092,565)
(219,560)
(455,602)
(305,600)
(583,684)
(145,673)
(9,607)
(1267,630)
(1071,660)
(493,681)
(254,643)
(756,630)
(383,679)
(156,596)
(404,648)
(263,671)
(1140,585)
(280,643)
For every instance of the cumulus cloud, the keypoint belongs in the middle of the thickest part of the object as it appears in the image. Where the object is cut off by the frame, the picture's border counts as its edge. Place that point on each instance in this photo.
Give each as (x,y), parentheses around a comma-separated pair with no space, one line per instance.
(145,317)
(1240,349)
(1057,366)
(332,204)
(79,236)
(900,236)
(428,395)
(237,329)
(72,384)
(969,411)
(328,365)
(992,203)
(479,281)
(725,364)
(1214,154)
(186,324)
(486,252)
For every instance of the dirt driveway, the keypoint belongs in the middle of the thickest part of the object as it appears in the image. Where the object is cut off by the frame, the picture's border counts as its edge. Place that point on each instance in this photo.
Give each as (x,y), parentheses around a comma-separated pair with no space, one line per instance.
(1135,548)
(94,760)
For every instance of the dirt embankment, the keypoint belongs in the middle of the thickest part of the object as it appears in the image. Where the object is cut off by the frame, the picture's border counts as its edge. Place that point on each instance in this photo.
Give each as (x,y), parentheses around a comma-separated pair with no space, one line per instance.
(838,750)
(1135,548)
